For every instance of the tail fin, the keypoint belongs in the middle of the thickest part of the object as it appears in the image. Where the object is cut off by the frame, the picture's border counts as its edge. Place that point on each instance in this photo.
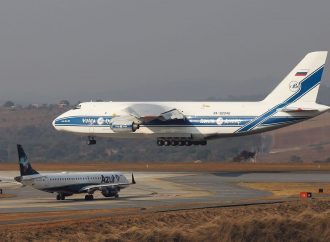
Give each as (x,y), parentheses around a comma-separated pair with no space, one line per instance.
(303,82)
(24,165)
(133,180)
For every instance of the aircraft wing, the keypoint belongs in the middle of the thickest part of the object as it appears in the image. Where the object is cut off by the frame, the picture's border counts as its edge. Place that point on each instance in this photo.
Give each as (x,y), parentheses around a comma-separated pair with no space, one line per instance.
(148,112)
(105,185)
(8,180)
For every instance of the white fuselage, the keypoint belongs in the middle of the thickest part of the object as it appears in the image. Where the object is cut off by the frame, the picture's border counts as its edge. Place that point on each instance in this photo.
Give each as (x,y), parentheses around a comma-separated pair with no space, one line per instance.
(71,182)
(203,120)
(292,100)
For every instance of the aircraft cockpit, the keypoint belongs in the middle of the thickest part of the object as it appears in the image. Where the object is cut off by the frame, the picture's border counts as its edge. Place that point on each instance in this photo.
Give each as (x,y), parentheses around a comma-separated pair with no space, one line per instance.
(77,107)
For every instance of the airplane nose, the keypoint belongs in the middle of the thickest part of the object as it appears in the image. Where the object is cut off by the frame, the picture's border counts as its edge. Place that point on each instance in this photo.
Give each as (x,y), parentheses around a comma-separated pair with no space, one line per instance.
(60,121)
(56,121)
(53,123)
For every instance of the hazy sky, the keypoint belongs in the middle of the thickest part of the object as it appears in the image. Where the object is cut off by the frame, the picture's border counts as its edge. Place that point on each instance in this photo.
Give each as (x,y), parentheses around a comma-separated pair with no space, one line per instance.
(157,49)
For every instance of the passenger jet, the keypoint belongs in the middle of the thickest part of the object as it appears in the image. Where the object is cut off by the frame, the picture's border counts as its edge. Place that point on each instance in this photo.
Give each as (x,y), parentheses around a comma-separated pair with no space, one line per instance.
(69,183)
(187,123)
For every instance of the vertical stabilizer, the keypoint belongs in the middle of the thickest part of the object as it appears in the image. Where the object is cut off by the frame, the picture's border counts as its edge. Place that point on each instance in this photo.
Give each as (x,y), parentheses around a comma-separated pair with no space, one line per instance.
(24,164)
(303,82)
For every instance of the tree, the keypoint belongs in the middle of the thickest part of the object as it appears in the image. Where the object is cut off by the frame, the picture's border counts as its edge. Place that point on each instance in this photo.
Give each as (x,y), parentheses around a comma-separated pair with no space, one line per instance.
(9,104)
(64,103)
(296,159)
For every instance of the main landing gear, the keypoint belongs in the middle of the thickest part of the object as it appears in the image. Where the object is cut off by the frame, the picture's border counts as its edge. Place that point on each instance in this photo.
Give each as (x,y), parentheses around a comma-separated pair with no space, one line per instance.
(179,142)
(91,140)
(60,196)
(89,197)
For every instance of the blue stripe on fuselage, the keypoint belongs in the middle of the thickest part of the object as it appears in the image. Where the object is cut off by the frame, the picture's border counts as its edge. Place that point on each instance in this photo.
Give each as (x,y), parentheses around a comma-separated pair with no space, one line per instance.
(97,121)
(196,121)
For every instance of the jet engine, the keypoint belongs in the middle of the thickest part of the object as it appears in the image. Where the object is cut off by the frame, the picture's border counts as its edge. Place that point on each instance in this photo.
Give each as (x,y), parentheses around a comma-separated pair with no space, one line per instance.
(124,124)
(109,192)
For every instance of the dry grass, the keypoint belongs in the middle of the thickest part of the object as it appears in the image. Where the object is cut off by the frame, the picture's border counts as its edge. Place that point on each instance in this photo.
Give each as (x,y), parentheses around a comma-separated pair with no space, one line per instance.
(173,167)
(291,221)
(288,189)
(51,217)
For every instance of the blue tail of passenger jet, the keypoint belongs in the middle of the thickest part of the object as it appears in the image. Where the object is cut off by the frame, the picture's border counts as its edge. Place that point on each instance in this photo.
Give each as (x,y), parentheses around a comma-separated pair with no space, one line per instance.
(24,164)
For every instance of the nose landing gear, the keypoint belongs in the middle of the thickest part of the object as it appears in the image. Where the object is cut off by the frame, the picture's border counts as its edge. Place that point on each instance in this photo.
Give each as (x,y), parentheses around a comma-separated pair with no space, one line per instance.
(89,197)
(60,196)
(91,140)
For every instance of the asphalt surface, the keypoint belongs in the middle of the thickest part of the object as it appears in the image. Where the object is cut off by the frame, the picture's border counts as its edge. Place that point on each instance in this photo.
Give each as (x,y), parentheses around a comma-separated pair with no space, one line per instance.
(154,189)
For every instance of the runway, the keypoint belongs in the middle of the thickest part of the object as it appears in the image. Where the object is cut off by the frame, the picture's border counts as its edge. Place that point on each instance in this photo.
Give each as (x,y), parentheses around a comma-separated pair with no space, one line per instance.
(158,189)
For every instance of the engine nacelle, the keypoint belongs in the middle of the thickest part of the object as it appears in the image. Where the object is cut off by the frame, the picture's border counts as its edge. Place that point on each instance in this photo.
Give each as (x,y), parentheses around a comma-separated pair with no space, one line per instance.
(124,125)
(108,192)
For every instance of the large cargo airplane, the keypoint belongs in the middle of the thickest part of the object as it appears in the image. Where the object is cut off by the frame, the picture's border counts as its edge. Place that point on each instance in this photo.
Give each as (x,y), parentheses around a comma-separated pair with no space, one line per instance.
(69,183)
(187,123)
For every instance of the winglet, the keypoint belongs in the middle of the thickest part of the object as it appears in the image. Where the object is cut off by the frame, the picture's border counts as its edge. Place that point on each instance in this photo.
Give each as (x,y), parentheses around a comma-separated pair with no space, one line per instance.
(133,180)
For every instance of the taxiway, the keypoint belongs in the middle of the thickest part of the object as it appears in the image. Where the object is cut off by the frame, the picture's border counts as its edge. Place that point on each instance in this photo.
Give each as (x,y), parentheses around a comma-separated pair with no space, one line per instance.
(158,189)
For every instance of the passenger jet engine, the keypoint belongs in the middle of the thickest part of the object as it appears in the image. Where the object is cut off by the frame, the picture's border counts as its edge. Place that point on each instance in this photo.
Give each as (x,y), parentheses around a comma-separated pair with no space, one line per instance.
(125,124)
(110,192)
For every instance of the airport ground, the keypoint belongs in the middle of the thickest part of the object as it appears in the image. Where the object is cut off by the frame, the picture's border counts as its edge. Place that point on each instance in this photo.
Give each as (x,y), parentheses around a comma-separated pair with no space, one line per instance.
(241,202)
(197,166)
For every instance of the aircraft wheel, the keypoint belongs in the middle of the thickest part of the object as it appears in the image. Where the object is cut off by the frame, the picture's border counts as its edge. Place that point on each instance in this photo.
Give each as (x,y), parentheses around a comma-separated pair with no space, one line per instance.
(166,142)
(62,197)
(187,143)
(174,142)
(116,195)
(203,142)
(89,197)
(160,142)
(58,197)
(91,141)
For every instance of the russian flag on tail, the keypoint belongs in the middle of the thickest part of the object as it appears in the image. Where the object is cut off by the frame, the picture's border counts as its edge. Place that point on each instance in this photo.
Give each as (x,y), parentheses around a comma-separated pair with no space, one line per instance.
(302,73)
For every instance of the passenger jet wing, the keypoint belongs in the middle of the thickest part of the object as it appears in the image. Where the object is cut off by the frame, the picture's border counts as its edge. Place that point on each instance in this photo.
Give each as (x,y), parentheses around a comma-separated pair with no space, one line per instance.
(148,112)
(9,180)
(105,185)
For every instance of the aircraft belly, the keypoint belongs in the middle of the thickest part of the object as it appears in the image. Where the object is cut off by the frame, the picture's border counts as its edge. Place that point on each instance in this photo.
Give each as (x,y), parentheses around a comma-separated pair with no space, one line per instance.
(167,131)
(78,129)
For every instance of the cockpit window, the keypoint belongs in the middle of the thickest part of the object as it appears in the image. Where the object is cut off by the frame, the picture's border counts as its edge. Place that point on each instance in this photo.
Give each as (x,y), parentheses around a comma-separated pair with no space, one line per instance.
(77,107)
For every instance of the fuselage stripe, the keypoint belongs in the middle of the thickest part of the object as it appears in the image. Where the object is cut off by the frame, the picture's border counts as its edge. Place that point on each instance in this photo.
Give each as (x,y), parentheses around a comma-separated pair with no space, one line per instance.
(314,78)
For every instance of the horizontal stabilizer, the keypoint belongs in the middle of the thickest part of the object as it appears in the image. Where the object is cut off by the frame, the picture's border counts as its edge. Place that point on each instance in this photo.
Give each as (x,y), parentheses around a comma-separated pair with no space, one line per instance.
(299,109)
(305,107)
